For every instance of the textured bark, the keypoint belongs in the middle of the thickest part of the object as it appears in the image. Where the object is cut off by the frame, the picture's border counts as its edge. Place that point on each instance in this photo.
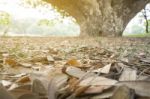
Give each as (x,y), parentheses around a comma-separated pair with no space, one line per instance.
(101,17)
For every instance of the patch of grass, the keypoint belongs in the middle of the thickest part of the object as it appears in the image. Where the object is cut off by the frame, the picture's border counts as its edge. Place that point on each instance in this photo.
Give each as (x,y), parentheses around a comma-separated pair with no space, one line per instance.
(138,35)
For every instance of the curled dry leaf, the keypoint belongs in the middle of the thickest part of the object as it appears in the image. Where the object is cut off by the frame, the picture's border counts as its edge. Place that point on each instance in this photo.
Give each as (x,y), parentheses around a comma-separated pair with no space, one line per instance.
(52,89)
(38,88)
(26,65)
(56,83)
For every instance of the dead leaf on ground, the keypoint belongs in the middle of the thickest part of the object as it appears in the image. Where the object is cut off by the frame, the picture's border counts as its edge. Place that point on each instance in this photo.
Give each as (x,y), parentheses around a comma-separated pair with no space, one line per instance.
(42,60)
(75,72)
(11,62)
(24,79)
(141,88)
(104,95)
(52,89)
(96,89)
(123,92)
(105,69)
(128,74)
(5,83)
(26,65)
(80,90)
(97,81)
(19,92)
(38,88)
(73,62)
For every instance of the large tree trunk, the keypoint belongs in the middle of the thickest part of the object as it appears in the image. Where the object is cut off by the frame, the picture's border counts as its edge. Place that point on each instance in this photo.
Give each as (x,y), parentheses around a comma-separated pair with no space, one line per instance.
(101,17)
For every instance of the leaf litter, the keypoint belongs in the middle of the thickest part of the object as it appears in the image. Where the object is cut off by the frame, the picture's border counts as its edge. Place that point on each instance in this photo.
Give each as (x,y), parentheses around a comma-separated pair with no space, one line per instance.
(72,71)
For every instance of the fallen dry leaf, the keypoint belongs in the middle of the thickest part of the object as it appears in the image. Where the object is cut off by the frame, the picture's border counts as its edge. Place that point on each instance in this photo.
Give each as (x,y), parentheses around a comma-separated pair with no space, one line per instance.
(50,58)
(97,81)
(5,83)
(123,92)
(13,86)
(128,74)
(75,72)
(80,90)
(24,79)
(38,88)
(52,89)
(141,88)
(105,69)
(96,89)
(19,92)
(73,62)
(104,95)
(26,65)
(11,62)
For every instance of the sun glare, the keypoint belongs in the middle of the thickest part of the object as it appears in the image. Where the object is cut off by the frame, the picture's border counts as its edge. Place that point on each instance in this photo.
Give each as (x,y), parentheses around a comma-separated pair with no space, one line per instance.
(20,10)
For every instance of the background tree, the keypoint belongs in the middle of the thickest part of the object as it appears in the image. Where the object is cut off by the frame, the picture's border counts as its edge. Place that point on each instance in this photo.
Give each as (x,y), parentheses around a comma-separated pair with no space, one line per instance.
(5,21)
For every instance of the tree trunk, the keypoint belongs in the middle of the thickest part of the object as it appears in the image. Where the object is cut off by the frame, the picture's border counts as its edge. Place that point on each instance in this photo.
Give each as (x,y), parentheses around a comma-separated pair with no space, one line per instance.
(101,17)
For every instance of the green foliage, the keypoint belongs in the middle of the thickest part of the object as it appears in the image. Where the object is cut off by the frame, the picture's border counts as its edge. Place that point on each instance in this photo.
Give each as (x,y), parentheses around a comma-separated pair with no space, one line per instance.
(33,3)
(148,24)
(45,22)
(138,35)
(4,18)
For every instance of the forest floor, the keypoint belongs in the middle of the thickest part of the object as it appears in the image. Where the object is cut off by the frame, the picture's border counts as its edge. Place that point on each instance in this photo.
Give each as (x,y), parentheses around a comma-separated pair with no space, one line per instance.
(74,68)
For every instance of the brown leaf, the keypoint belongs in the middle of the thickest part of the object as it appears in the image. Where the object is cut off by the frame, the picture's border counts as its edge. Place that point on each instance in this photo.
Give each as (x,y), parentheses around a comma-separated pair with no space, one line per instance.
(80,90)
(11,62)
(73,83)
(24,79)
(42,60)
(73,62)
